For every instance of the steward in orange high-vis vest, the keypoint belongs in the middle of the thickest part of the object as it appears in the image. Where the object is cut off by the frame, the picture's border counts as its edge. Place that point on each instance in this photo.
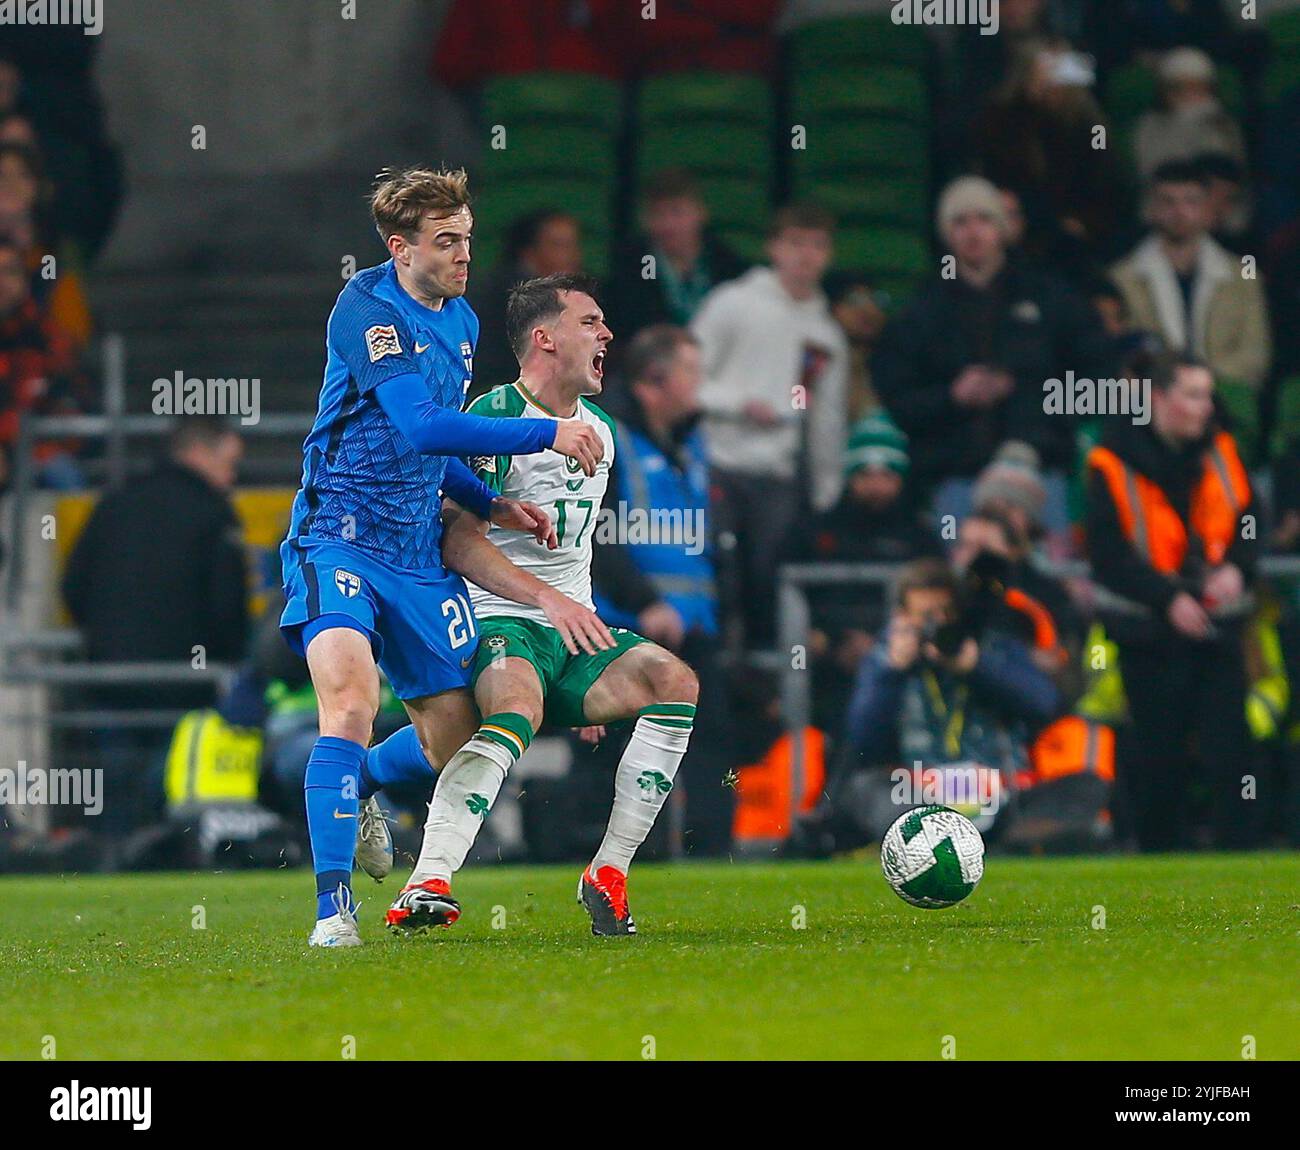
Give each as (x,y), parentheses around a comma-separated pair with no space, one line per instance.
(1171,540)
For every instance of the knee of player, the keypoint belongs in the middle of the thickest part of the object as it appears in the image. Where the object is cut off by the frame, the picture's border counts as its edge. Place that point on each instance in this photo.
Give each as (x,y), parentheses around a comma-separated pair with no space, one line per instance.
(672,681)
(349,715)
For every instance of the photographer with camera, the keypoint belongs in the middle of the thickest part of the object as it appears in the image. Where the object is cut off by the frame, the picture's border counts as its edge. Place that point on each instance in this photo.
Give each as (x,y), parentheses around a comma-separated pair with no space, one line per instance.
(948,683)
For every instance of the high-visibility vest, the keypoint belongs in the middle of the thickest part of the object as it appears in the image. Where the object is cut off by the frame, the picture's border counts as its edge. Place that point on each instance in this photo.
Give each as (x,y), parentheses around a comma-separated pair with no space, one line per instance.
(210,761)
(1045,634)
(1070,745)
(765,789)
(1154,527)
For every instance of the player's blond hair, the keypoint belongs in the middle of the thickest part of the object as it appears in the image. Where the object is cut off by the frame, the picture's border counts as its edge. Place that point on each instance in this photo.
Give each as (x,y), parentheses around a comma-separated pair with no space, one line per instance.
(402,197)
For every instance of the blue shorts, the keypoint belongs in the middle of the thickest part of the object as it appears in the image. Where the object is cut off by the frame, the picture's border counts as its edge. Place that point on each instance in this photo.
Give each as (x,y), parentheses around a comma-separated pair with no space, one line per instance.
(420,623)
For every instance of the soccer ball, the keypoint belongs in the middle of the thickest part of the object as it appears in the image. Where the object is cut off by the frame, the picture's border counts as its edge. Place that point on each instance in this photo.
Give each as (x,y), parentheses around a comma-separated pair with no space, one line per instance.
(932,856)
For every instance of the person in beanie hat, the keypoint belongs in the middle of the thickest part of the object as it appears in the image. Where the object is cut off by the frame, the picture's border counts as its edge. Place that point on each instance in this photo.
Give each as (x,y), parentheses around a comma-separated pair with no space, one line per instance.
(876,442)
(1013,484)
(876,520)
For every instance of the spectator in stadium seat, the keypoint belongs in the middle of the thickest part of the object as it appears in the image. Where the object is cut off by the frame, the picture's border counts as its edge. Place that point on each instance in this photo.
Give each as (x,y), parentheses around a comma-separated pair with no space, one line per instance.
(1183,286)
(1168,504)
(543,243)
(1036,135)
(962,366)
(776,376)
(55,276)
(858,311)
(1189,121)
(38,374)
(667,588)
(875,520)
(689,260)
(484,38)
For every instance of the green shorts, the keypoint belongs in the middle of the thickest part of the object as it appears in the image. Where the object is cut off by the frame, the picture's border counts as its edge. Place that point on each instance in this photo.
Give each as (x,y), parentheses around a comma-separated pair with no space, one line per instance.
(566,678)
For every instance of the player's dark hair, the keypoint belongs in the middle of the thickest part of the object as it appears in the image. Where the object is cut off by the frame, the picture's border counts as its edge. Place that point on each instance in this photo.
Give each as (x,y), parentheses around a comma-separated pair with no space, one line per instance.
(652,350)
(538,300)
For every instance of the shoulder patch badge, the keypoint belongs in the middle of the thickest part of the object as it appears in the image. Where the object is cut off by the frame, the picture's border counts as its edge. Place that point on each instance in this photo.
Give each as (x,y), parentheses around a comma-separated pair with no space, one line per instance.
(381,340)
(486,463)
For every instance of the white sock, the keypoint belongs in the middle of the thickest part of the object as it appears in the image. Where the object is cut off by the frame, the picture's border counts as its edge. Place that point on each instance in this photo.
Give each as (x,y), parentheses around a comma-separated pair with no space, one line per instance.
(644,777)
(466,790)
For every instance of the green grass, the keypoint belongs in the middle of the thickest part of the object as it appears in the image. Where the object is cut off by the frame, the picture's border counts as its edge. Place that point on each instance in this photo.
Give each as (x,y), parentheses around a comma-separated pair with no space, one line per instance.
(1196,953)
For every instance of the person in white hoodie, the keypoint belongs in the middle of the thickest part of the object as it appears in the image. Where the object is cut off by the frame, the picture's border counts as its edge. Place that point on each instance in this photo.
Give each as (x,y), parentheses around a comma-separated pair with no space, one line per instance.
(776,368)
(1192,292)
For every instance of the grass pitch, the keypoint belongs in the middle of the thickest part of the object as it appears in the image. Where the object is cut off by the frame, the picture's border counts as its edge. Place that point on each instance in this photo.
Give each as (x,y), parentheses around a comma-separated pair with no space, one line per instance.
(796,960)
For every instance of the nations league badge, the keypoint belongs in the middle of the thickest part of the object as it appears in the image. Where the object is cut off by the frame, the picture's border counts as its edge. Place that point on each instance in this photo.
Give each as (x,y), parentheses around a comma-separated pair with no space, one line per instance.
(467,354)
(347,583)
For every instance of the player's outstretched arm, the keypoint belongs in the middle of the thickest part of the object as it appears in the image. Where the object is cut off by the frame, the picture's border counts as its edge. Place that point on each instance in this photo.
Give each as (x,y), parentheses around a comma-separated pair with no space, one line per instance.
(466,550)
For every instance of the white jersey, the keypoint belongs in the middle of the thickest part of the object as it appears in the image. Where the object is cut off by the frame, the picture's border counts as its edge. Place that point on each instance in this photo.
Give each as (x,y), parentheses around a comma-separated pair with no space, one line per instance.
(557,485)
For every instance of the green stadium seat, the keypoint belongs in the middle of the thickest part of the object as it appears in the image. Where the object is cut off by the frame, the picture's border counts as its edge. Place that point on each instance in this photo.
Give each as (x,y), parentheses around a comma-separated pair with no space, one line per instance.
(1283,29)
(1282,74)
(1130,91)
(856,40)
(902,198)
(736,202)
(502,202)
(704,148)
(533,149)
(884,90)
(866,145)
(890,252)
(553,97)
(1286,418)
(679,97)
(1241,402)
(748,243)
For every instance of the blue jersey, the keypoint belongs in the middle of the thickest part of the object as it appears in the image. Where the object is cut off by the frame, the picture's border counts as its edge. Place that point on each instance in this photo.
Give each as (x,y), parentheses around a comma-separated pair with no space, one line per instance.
(363,482)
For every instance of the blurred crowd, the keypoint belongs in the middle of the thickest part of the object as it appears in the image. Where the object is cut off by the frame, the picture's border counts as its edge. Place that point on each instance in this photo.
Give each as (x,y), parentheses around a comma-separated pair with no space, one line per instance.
(59,194)
(812,413)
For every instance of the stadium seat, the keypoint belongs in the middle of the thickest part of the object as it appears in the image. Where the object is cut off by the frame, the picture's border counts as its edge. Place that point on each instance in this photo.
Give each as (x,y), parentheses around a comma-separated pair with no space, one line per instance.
(748,243)
(855,40)
(884,90)
(865,145)
(553,97)
(883,251)
(680,97)
(736,202)
(1286,418)
(704,148)
(1282,74)
(902,198)
(533,149)
(502,202)
(1241,402)
(1283,30)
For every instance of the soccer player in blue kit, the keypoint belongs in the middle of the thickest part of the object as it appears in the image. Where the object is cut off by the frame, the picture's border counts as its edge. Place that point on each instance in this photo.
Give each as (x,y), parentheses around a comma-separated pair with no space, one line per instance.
(363,576)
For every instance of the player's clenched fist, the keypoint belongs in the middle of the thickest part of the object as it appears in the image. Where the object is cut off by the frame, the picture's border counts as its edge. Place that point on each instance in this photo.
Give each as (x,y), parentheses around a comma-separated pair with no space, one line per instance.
(579,441)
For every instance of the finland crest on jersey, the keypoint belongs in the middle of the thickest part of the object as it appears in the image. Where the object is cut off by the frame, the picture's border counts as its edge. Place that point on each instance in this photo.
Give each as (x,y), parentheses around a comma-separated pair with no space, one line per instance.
(347,583)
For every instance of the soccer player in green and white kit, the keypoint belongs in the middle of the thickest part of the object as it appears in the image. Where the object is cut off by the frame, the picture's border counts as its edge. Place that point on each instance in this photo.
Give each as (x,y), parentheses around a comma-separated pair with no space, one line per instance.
(525,668)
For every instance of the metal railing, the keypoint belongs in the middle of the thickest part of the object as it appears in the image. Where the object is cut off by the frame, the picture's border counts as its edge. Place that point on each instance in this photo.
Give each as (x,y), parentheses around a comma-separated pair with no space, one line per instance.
(794,623)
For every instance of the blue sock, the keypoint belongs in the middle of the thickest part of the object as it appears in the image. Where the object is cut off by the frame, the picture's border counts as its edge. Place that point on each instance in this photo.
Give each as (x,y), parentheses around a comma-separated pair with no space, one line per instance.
(332,788)
(398,759)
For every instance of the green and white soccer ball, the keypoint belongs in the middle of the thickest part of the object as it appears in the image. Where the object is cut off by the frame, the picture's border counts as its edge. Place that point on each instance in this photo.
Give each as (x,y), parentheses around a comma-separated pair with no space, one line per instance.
(932,856)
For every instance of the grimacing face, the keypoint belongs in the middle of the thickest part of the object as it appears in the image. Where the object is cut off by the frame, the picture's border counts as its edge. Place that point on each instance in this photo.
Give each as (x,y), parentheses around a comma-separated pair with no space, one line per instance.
(437,261)
(579,338)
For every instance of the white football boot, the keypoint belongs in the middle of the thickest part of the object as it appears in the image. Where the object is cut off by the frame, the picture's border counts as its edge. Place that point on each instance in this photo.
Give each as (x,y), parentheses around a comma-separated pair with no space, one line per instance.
(374,848)
(340,929)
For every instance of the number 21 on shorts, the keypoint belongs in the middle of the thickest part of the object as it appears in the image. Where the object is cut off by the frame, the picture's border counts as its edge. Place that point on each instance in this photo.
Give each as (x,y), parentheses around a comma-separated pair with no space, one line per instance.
(460,626)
